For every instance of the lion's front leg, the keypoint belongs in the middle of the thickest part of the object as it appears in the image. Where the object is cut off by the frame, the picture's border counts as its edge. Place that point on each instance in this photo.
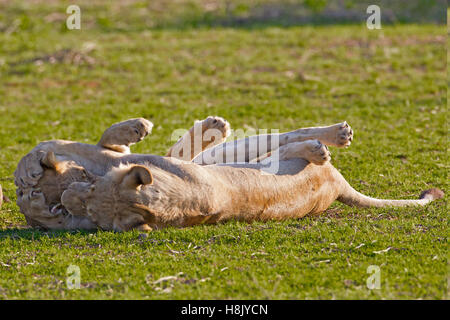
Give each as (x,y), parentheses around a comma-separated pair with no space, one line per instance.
(121,135)
(30,170)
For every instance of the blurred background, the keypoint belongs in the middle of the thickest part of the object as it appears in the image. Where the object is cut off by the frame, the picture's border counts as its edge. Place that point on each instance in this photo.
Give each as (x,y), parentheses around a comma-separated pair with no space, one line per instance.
(138,14)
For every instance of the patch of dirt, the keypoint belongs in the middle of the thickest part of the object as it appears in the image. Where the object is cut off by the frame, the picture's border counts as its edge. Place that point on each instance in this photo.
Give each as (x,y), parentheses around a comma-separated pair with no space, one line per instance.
(67,56)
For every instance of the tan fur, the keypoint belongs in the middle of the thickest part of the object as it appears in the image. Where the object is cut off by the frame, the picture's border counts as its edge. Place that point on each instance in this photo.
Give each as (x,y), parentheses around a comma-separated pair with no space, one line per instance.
(251,149)
(149,192)
(121,135)
(210,132)
(211,194)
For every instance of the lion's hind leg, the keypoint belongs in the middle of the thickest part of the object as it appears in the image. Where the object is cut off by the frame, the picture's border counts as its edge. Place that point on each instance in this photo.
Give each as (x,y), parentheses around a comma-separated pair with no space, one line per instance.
(311,150)
(336,135)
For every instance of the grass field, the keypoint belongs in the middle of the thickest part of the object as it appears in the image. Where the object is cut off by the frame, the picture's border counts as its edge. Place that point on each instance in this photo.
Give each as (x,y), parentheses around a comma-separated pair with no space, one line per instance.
(389,84)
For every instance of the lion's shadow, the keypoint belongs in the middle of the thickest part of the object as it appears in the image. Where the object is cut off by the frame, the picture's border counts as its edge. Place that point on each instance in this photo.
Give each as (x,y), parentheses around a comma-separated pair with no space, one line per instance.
(36,234)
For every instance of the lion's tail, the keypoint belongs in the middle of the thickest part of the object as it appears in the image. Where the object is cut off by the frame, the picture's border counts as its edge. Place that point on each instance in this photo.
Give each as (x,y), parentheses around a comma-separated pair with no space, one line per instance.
(352,197)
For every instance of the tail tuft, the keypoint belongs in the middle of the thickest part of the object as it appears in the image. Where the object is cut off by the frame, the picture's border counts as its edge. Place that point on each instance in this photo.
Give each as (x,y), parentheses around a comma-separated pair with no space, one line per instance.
(432,194)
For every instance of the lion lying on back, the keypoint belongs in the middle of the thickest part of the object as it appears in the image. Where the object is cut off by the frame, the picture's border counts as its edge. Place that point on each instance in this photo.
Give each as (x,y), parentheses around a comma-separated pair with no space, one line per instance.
(69,185)
(46,171)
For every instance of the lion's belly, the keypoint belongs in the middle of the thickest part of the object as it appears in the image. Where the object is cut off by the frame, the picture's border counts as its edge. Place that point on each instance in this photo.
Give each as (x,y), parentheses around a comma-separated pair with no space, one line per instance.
(311,191)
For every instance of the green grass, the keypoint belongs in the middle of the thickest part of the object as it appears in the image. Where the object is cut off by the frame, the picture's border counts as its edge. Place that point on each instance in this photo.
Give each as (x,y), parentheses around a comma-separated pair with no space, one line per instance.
(390,85)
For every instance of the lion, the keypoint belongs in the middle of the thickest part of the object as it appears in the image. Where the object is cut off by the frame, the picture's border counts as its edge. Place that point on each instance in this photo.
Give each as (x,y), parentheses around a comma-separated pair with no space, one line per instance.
(108,188)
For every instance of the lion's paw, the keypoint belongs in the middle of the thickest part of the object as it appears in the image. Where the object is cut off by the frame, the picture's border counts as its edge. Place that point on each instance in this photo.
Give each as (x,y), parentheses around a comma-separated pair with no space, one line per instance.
(338,135)
(121,135)
(141,127)
(131,131)
(217,123)
(344,135)
(29,170)
(317,152)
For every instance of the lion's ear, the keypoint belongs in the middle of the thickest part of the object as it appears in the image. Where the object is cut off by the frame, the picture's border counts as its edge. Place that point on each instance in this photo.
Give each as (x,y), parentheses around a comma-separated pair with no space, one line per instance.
(49,161)
(137,176)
